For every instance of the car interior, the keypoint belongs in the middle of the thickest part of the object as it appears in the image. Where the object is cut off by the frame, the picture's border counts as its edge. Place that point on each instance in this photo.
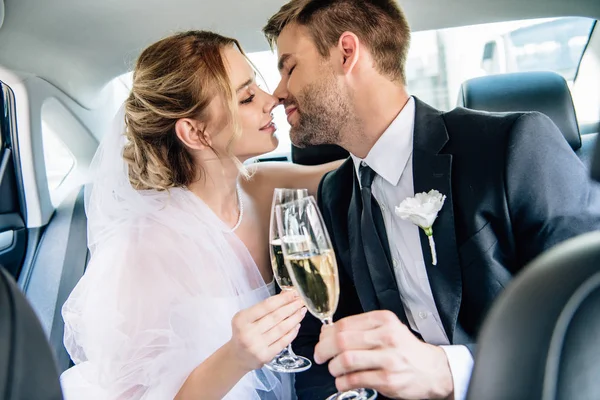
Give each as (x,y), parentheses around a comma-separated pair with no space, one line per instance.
(553,305)
(27,366)
(65,69)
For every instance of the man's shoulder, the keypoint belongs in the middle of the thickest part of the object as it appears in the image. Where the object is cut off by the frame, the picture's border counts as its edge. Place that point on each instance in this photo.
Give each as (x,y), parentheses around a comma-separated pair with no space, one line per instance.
(460,117)
(337,184)
(485,131)
(341,174)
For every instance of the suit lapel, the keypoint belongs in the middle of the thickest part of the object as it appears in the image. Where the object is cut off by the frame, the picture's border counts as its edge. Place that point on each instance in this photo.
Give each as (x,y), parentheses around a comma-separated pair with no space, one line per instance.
(434,171)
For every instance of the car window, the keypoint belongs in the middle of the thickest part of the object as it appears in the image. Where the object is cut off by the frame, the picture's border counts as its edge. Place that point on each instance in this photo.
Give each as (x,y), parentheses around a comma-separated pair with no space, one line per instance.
(58,159)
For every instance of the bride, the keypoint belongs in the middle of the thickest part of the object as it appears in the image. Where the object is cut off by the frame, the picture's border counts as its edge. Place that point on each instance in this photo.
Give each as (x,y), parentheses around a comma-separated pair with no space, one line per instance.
(176,301)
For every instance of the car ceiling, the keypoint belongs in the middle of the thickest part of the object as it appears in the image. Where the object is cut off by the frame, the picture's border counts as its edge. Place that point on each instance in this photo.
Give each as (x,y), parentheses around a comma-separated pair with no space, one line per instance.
(80,45)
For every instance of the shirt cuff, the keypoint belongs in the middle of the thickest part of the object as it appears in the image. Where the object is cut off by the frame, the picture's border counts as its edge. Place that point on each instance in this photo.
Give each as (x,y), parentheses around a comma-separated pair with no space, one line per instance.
(461,366)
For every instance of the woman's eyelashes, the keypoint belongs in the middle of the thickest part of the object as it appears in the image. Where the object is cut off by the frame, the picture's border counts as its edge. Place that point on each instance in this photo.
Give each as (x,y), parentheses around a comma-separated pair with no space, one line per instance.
(251,93)
(248,100)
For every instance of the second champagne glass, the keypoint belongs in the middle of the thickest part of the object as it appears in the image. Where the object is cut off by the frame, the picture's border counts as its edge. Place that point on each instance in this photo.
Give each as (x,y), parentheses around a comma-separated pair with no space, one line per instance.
(286,360)
(311,262)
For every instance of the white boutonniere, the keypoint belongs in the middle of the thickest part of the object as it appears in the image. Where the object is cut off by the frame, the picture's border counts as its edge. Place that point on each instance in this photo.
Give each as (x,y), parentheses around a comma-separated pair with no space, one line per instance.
(422,210)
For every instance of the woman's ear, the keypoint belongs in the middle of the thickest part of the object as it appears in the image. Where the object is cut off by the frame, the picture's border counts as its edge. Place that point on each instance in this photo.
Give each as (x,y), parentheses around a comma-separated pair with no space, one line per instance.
(192,133)
(349,47)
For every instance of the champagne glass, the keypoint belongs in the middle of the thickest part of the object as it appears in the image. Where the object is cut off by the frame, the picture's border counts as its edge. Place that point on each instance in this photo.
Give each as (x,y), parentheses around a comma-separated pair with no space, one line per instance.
(311,263)
(286,361)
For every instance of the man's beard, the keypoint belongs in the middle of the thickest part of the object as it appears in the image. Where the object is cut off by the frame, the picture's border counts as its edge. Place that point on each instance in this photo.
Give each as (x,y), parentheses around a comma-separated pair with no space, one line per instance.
(324,112)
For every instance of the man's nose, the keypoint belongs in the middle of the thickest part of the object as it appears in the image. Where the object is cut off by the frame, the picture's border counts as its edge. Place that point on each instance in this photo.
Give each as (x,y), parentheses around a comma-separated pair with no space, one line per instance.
(281,91)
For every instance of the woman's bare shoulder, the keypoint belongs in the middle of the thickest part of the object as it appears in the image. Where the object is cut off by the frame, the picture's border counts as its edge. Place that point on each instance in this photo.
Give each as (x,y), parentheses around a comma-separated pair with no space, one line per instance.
(267,176)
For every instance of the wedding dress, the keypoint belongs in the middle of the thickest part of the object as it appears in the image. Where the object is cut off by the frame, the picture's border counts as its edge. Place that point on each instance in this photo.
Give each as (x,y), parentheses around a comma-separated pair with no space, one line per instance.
(165,278)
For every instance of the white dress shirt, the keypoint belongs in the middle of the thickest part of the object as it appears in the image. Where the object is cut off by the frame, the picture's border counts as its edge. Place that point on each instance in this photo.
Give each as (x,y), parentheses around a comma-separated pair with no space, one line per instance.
(391,159)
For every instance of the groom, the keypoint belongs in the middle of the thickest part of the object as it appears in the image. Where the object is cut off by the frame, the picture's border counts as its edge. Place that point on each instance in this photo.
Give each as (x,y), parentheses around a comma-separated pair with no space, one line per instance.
(513,188)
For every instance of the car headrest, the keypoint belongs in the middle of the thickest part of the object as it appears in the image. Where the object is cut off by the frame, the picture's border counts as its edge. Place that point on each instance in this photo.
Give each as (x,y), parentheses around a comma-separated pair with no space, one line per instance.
(27,367)
(540,339)
(319,154)
(546,92)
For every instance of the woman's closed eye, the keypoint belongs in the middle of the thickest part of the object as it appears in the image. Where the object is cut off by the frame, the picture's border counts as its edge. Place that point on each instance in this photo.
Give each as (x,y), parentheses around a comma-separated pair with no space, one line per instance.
(248,100)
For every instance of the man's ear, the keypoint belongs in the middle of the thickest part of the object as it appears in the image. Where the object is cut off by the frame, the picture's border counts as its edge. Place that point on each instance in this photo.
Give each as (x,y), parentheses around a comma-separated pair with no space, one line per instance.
(192,133)
(349,47)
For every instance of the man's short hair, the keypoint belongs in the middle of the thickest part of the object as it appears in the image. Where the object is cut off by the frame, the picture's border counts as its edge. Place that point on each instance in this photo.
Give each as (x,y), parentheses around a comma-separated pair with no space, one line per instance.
(379,24)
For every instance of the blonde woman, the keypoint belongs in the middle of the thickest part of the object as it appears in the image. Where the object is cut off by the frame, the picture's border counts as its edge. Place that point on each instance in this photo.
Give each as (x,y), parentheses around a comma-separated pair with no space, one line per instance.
(176,301)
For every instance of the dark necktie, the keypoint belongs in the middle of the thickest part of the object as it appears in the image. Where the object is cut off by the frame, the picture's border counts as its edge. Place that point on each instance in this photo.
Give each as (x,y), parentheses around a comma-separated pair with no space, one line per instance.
(376,249)
(371,221)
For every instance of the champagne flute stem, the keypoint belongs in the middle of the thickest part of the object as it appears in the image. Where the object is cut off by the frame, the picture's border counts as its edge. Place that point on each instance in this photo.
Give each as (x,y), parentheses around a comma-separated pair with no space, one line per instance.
(288,351)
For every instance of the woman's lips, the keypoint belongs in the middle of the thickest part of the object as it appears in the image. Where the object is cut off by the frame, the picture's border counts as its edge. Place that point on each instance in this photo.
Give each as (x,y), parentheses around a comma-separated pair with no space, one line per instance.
(270,127)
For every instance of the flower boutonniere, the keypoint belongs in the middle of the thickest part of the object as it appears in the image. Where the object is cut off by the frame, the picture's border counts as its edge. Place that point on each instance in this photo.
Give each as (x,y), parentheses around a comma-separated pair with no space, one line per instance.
(422,210)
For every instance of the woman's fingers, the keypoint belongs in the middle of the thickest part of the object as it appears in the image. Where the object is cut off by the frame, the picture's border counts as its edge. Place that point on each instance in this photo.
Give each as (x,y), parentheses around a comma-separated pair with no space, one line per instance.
(266,307)
(283,341)
(282,328)
(274,318)
(261,331)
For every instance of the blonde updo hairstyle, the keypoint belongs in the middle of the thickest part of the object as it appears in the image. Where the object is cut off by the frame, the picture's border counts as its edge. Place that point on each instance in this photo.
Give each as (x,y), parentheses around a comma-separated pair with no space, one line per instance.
(175,78)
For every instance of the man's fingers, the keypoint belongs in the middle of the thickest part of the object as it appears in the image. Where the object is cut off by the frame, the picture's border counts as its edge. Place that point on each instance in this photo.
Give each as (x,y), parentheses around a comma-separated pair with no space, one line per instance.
(333,342)
(380,380)
(360,360)
(365,321)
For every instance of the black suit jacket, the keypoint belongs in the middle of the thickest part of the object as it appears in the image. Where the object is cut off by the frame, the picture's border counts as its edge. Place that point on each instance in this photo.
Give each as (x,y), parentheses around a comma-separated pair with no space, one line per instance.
(514,188)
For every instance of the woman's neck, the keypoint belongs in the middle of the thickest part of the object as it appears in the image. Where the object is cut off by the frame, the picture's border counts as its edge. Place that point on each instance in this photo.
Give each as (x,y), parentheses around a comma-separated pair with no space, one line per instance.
(217,187)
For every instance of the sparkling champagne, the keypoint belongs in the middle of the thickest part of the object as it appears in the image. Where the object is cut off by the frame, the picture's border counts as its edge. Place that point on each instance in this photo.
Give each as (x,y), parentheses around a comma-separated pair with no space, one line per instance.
(279,269)
(317,281)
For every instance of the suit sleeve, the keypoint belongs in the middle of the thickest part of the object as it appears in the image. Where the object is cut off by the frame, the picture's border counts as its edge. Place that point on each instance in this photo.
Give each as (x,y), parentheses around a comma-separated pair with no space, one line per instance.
(549,193)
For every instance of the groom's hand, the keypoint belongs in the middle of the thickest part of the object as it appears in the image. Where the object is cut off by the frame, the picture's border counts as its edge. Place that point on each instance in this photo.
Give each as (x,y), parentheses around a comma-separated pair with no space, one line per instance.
(375,350)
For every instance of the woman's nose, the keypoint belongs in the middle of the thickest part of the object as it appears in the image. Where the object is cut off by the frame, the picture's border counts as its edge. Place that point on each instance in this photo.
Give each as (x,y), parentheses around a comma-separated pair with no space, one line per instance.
(271,103)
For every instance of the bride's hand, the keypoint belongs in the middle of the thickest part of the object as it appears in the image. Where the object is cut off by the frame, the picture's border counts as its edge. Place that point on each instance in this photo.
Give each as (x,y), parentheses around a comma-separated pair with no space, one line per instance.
(262,331)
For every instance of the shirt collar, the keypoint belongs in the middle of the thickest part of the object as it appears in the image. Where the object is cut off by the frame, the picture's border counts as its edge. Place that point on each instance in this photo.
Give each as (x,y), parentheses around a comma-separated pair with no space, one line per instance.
(390,154)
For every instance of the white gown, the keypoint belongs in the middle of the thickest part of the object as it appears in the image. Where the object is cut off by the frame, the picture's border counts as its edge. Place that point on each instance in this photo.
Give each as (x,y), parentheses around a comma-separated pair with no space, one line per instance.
(157,299)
